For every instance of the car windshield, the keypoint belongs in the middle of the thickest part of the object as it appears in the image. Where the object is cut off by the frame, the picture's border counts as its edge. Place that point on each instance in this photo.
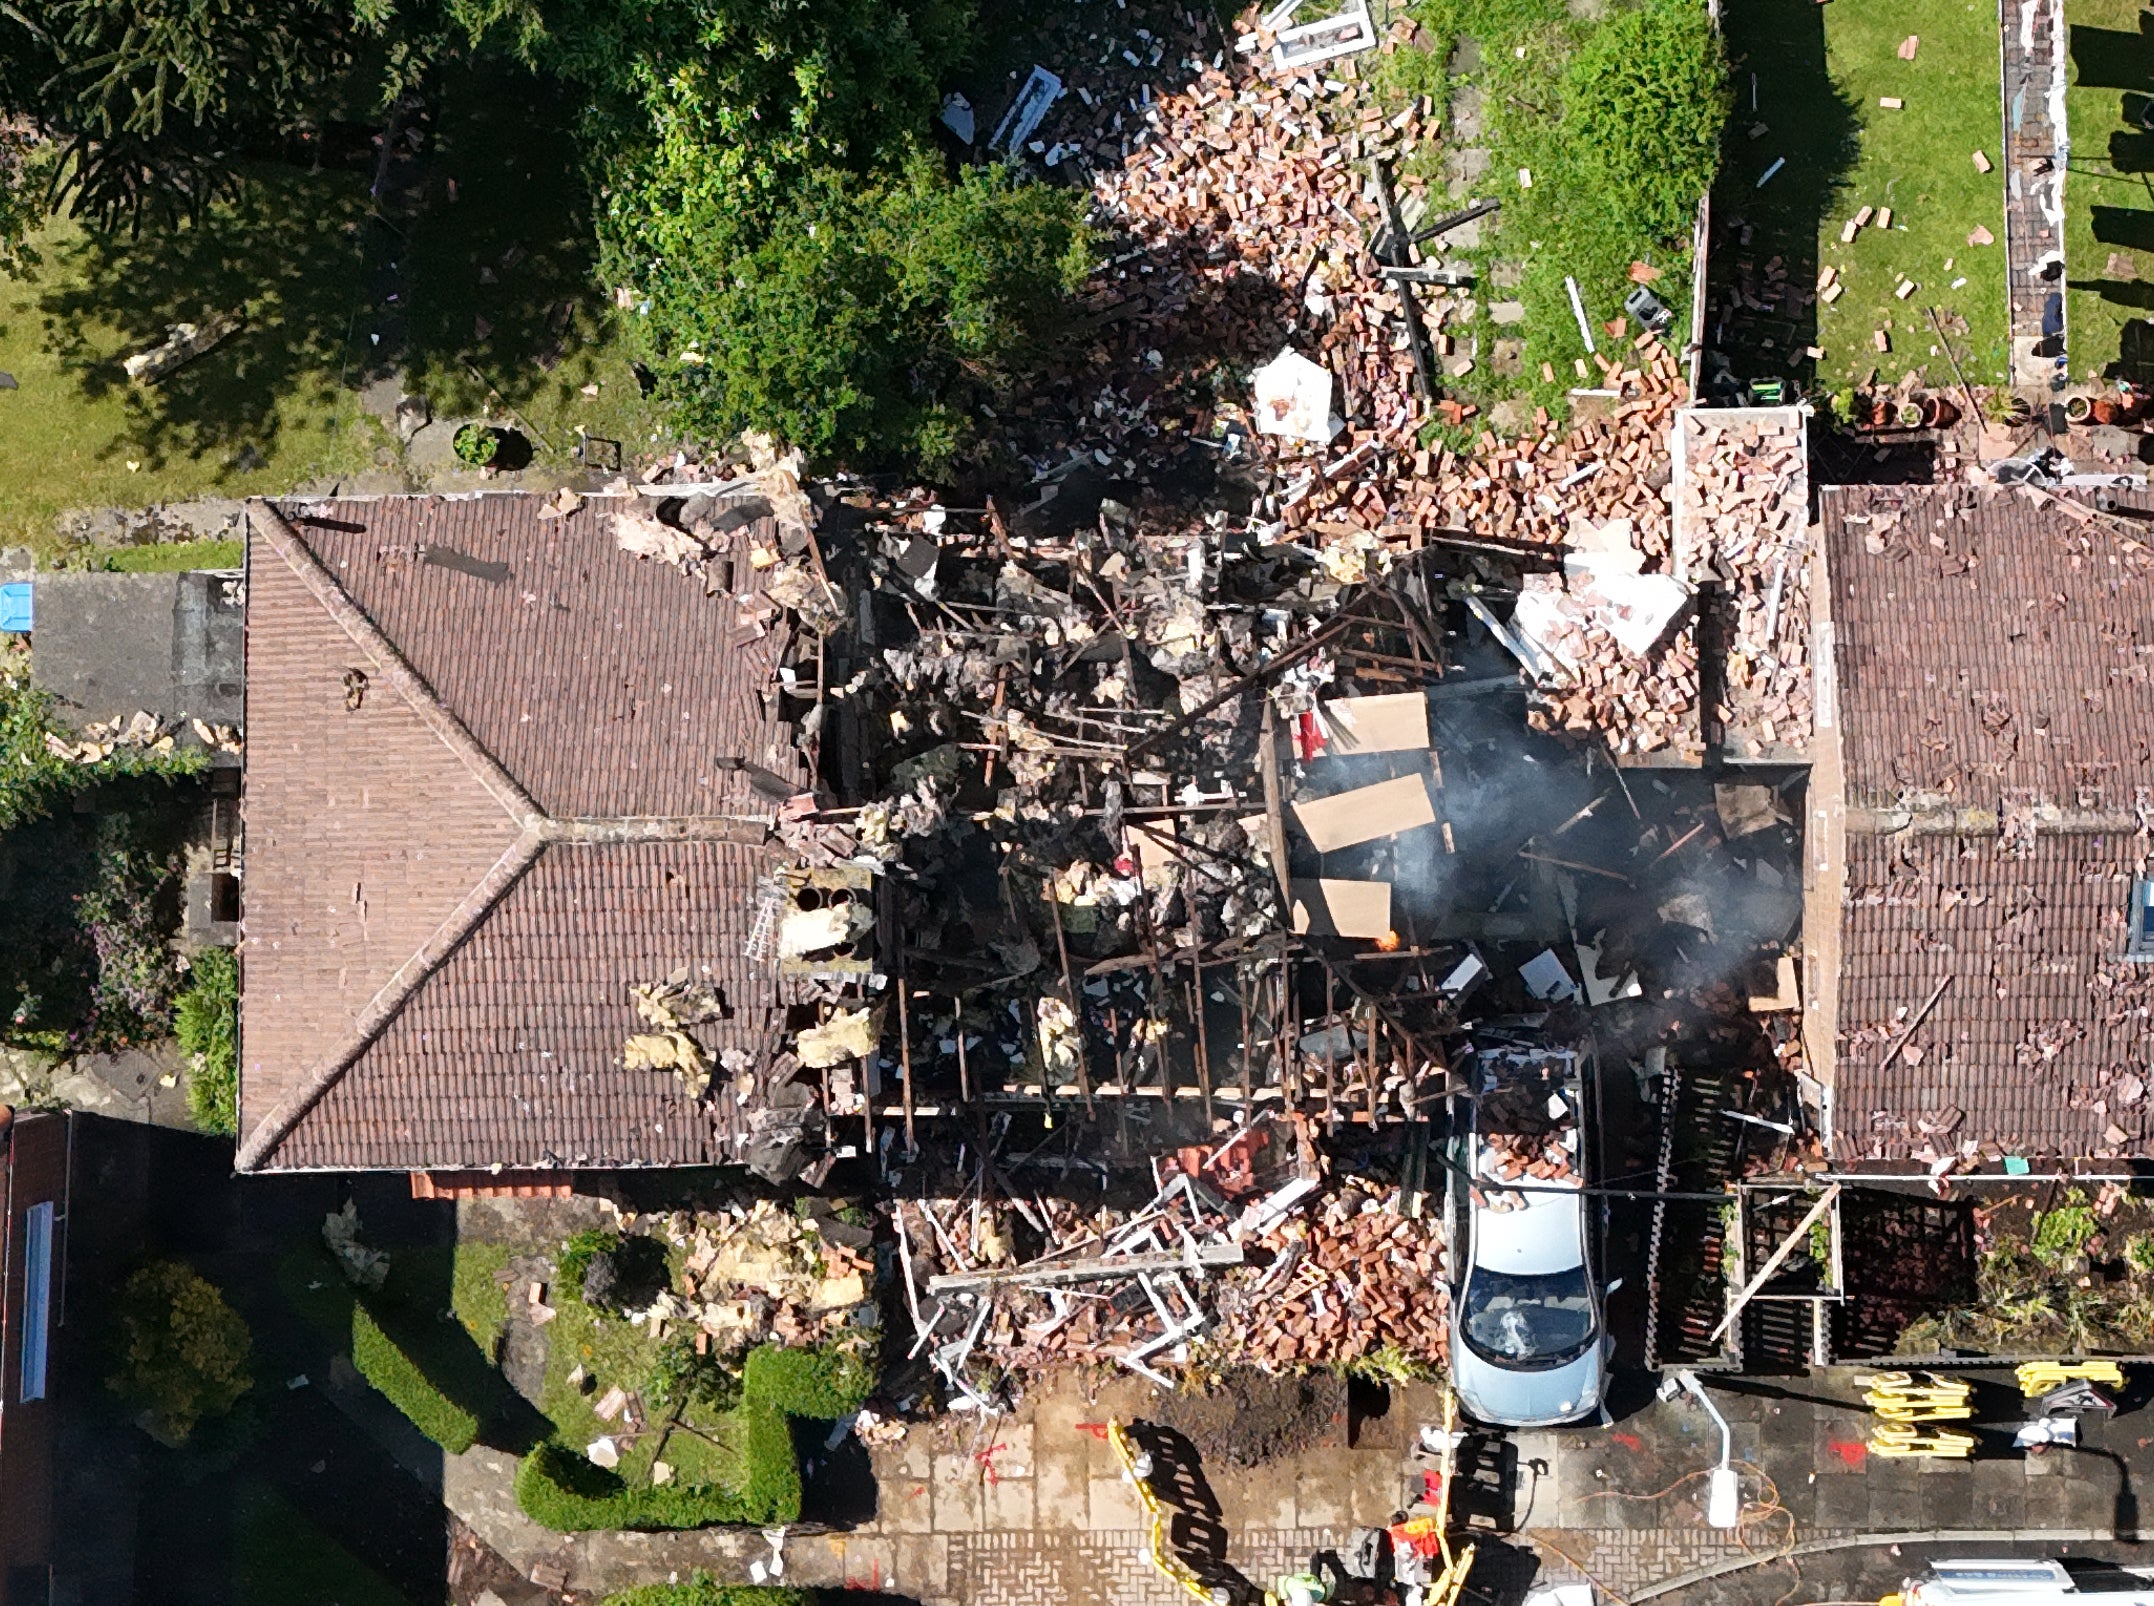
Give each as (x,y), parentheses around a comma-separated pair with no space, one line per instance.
(1528,1322)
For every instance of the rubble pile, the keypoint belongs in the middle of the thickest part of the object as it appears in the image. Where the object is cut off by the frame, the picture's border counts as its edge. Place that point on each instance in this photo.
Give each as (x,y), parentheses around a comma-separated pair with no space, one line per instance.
(1246,202)
(1742,512)
(1351,1277)
(1240,1259)
(755,1273)
(1516,1156)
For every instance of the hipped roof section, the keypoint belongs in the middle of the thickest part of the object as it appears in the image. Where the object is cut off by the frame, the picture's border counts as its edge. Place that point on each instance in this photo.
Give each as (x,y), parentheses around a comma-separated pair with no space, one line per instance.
(484,799)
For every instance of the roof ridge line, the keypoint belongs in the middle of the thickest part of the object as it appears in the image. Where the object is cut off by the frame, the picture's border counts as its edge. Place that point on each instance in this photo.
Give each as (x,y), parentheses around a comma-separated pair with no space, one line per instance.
(752,830)
(271,525)
(391,997)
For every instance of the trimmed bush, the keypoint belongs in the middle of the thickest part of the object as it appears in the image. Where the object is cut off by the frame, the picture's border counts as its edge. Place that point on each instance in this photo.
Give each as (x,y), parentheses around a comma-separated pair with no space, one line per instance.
(562,1490)
(772,1481)
(823,1383)
(403,1382)
(704,1590)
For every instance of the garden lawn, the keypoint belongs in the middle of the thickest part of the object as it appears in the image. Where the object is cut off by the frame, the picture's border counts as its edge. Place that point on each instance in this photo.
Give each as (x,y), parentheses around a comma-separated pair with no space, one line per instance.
(706,1449)
(1919,162)
(265,411)
(2109,300)
(1520,81)
(280,1558)
(503,308)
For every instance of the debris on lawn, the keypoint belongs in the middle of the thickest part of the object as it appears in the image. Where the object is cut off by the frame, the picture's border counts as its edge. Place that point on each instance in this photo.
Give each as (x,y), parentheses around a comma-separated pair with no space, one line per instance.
(183,342)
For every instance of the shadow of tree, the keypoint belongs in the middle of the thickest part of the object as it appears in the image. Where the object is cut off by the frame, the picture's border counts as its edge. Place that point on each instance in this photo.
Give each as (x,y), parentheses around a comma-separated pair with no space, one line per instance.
(1778,46)
(2125,226)
(285,254)
(501,267)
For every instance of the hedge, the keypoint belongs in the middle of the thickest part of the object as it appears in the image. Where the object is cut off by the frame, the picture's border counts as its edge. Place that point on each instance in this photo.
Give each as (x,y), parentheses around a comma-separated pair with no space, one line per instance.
(821,1383)
(704,1590)
(403,1381)
(561,1489)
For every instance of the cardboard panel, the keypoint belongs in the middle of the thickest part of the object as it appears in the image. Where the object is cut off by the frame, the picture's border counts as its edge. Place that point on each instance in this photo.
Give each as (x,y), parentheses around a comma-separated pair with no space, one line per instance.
(1327,908)
(1366,813)
(1397,722)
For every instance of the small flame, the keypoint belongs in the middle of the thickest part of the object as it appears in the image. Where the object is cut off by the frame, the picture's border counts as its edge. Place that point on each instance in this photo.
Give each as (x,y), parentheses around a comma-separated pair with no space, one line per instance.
(1388,943)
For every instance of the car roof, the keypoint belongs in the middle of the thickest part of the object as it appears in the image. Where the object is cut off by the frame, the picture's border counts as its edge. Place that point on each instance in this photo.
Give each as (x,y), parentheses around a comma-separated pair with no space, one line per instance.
(1545,1233)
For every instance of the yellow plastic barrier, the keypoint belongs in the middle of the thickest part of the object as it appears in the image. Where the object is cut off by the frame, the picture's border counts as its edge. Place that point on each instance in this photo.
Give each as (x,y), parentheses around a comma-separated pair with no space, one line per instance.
(1895,1440)
(2037,1378)
(1157,1549)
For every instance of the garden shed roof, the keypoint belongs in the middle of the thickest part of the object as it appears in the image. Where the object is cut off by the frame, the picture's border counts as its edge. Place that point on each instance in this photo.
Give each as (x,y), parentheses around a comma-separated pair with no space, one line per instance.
(1993,661)
(486,796)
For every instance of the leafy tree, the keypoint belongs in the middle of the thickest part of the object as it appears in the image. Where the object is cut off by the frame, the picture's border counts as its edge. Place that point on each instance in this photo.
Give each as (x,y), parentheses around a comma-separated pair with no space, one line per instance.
(797,262)
(184,1352)
(150,101)
(869,319)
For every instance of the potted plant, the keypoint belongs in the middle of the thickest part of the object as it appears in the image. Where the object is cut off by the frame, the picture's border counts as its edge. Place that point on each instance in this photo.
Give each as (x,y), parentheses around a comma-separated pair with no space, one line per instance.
(477,444)
(2078,409)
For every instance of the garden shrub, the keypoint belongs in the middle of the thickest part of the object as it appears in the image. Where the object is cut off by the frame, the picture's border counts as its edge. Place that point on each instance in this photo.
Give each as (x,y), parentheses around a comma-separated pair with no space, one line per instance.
(386,1364)
(681,1377)
(576,1255)
(702,1589)
(1644,104)
(206,1021)
(825,1383)
(770,1478)
(185,1355)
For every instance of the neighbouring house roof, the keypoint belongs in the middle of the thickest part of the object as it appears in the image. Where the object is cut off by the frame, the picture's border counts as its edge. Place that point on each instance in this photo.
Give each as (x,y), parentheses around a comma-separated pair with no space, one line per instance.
(486,795)
(1993,662)
(107,645)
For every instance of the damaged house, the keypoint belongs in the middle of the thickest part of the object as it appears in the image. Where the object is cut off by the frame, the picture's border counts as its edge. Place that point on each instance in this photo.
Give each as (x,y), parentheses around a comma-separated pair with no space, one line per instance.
(509,788)
(1993,670)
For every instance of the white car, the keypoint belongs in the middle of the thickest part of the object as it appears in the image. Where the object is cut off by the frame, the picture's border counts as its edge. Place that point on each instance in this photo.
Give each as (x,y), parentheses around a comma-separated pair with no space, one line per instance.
(1529,1345)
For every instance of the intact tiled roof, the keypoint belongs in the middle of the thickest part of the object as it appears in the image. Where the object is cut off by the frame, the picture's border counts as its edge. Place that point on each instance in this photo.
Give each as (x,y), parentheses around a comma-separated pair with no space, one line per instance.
(1992,654)
(479,807)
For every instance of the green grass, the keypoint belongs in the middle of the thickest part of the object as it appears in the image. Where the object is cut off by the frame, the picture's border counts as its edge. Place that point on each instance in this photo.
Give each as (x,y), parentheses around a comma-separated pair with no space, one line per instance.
(1568,224)
(475,1291)
(1918,161)
(287,252)
(167,557)
(509,254)
(280,1558)
(615,1352)
(2108,315)
(703,1590)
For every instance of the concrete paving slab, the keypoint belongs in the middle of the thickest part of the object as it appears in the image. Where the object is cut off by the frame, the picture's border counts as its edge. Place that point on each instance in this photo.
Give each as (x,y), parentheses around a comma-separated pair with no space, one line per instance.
(870,1563)
(1007,1503)
(906,1505)
(1060,1485)
(923,1565)
(1111,1505)
(1894,1508)
(959,1507)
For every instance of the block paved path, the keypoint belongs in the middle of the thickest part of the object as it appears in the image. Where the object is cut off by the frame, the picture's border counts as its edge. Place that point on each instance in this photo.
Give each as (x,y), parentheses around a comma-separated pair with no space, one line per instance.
(1032,1511)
